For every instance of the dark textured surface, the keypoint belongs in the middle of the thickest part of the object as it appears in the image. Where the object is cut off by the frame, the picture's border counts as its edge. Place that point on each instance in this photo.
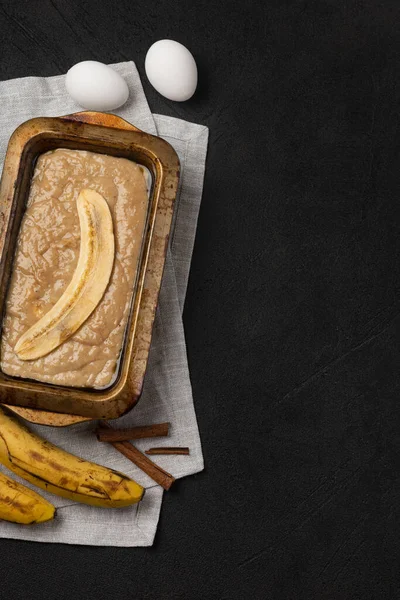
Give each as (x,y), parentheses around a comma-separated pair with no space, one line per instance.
(292,313)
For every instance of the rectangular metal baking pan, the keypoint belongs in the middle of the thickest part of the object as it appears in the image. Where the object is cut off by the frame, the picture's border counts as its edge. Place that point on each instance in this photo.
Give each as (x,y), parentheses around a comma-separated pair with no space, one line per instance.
(107,134)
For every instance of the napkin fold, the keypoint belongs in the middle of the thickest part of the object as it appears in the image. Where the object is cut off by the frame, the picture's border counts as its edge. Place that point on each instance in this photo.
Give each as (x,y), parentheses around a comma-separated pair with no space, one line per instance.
(167,393)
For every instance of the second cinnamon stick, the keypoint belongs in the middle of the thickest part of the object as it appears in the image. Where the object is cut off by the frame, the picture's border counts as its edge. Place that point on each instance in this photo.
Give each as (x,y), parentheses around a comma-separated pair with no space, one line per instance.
(183,450)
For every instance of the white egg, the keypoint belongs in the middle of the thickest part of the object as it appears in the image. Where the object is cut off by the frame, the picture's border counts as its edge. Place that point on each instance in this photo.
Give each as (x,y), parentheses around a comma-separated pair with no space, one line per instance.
(171,70)
(96,86)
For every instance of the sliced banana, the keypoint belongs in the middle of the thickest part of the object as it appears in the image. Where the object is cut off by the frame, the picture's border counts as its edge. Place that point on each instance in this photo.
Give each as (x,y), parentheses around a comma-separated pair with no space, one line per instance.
(87,286)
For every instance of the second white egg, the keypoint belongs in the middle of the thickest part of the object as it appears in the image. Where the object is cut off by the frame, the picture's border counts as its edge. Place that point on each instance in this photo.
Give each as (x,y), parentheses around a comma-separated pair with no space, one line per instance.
(171,70)
(96,86)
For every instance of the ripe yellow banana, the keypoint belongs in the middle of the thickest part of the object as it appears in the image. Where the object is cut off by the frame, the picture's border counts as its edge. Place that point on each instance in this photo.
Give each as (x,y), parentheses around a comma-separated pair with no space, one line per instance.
(59,472)
(20,504)
(87,286)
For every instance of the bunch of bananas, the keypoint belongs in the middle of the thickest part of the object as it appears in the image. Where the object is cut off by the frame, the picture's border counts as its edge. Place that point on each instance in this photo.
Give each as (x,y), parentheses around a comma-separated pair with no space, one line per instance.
(54,470)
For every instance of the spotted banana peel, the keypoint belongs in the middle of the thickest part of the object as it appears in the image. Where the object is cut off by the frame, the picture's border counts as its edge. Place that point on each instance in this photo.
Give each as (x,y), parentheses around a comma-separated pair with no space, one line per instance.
(20,504)
(49,467)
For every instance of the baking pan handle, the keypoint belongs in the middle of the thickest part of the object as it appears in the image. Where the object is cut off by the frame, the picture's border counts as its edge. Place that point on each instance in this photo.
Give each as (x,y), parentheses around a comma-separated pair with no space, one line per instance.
(100,118)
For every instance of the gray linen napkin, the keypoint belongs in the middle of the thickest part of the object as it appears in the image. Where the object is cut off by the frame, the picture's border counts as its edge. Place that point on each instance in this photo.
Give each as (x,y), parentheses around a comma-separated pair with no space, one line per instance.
(167,394)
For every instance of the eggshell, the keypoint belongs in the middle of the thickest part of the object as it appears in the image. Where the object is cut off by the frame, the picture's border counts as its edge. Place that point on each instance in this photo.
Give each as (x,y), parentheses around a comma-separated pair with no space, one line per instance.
(171,70)
(96,86)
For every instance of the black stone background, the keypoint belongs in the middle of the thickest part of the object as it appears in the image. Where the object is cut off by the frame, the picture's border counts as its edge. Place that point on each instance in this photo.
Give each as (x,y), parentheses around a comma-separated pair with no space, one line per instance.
(292,313)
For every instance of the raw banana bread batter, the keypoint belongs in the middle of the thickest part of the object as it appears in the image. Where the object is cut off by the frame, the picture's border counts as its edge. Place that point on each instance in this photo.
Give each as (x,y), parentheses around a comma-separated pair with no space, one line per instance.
(47,254)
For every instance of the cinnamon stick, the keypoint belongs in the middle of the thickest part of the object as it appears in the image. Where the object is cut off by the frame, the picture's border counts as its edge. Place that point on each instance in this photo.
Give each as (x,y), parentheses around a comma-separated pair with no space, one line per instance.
(183,450)
(156,473)
(132,433)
